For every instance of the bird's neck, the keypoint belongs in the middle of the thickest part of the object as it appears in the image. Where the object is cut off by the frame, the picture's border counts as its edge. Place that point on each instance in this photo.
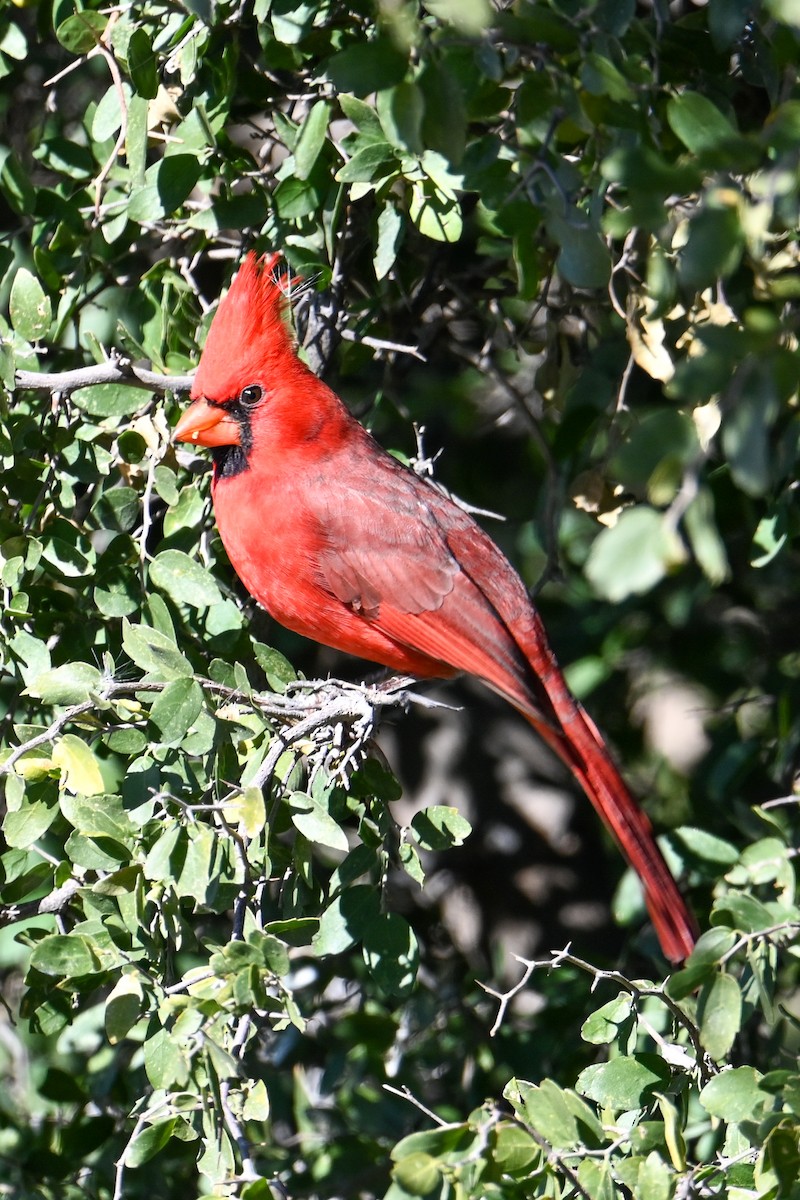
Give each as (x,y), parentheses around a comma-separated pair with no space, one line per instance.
(228,461)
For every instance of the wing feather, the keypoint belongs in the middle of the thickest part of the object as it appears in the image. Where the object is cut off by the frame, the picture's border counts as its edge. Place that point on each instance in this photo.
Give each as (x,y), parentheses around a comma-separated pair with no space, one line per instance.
(418,568)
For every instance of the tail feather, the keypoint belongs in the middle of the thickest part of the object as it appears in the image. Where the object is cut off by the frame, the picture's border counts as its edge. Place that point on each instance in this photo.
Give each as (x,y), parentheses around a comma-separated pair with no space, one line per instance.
(569,731)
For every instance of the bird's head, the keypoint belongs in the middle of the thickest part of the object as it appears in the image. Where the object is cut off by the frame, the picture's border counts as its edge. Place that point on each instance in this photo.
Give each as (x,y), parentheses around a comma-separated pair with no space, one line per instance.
(249,355)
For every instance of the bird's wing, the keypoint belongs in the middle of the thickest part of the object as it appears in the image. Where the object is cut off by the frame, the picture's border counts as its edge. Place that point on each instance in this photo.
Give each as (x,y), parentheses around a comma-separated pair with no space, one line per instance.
(416,566)
(381,544)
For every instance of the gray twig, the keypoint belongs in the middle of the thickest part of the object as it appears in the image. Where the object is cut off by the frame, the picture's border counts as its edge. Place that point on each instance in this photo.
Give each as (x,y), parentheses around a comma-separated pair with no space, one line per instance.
(117,369)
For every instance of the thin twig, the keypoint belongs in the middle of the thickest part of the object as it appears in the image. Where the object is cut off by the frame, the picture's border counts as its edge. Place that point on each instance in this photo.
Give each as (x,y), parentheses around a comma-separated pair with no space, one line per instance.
(235,1127)
(348,335)
(405,1094)
(704,1064)
(103,48)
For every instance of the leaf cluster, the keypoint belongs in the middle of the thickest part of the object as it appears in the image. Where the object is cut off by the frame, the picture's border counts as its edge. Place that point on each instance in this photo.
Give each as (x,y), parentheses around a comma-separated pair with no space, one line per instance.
(563,236)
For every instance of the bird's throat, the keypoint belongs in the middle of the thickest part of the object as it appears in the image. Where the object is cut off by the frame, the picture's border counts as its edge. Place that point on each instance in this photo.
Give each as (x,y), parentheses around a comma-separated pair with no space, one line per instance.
(229,461)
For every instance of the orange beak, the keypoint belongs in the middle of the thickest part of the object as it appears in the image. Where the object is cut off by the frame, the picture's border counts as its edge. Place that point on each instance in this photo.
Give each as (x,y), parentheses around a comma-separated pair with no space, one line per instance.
(207,425)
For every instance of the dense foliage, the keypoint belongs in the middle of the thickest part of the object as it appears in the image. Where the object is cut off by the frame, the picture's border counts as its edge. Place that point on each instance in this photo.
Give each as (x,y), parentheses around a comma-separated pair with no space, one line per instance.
(561,235)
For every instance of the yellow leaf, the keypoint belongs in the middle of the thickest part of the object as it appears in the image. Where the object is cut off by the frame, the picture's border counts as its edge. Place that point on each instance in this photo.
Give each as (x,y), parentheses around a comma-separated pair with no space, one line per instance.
(80,773)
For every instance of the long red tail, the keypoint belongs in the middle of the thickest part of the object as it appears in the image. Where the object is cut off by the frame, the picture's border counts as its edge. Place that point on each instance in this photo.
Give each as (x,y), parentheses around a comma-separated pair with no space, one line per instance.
(574,737)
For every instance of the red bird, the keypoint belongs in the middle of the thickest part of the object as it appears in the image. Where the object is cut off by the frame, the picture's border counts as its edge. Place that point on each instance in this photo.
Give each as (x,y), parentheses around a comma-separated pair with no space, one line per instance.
(342,543)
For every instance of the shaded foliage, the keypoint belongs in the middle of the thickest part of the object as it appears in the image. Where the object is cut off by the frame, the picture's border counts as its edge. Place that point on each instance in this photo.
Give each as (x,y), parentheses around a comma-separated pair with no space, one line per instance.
(563,238)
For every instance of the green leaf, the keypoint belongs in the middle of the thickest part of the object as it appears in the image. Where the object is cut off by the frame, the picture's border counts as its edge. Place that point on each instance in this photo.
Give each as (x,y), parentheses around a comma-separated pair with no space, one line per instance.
(720,1015)
(166,856)
(411,863)
(124,1007)
(108,114)
(783,1156)
(81,32)
(401,110)
(546,1108)
(164,1061)
(366,68)
(364,117)
(311,817)
(435,213)
(72,683)
(149,1141)
(136,140)
(366,163)
(166,484)
(110,399)
(311,139)
(30,309)
(515,1150)
(67,955)
(166,185)
(698,122)
(634,555)
(294,199)
(278,670)
(602,78)
(735,1095)
(707,545)
(21,829)
(248,811)
(742,912)
(769,538)
(746,440)
(118,508)
(142,64)
(345,920)
(257,1108)
(713,248)
(470,17)
(98,815)
(15,184)
(706,847)
(154,652)
(444,126)
(418,1175)
(390,227)
(176,709)
(291,20)
(606,1024)
(392,954)
(626,1082)
(67,550)
(712,946)
(184,579)
(199,874)
(440,827)
(583,259)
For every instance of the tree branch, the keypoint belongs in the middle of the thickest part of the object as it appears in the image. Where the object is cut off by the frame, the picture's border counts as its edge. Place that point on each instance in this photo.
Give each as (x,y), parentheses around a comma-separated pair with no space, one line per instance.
(118,369)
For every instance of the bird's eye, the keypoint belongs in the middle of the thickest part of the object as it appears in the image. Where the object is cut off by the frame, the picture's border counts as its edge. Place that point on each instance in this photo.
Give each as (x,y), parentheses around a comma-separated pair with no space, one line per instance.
(251,395)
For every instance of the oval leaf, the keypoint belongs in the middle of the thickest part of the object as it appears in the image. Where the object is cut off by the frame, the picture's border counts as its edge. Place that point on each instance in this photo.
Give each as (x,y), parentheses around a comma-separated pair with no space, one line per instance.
(184,579)
(30,309)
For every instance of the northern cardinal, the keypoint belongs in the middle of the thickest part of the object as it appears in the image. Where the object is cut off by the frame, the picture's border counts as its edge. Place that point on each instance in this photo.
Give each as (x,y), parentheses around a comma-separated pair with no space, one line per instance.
(342,543)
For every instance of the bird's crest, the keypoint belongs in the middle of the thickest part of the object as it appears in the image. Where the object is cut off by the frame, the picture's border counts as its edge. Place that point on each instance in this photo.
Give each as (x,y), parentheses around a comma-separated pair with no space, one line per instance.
(249,335)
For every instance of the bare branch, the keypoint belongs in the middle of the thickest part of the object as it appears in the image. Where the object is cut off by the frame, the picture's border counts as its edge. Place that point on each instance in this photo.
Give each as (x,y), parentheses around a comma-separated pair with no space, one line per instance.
(104,48)
(52,904)
(312,710)
(405,1094)
(347,335)
(118,369)
(637,989)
